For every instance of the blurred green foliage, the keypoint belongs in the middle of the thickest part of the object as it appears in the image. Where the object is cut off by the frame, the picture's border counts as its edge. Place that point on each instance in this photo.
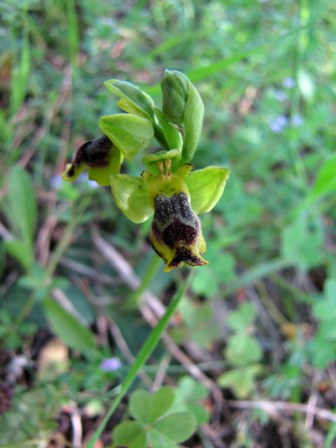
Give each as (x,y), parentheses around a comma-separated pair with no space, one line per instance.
(265,71)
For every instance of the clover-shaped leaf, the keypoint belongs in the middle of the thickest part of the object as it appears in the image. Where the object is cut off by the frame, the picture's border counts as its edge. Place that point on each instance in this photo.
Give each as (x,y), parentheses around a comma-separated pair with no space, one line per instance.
(241,380)
(242,349)
(129,132)
(130,434)
(131,196)
(147,408)
(206,187)
(133,99)
(157,423)
(178,426)
(189,397)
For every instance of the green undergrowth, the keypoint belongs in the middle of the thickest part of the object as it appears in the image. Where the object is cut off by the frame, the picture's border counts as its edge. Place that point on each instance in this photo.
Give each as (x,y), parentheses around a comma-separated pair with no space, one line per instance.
(258,320)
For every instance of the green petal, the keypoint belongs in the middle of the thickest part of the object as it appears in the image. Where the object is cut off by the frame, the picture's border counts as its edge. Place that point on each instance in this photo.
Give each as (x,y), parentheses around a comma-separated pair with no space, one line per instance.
(130,133)
(131,196)
(100,157)
(172,136)
(133,99)
(192,122)
(206,187)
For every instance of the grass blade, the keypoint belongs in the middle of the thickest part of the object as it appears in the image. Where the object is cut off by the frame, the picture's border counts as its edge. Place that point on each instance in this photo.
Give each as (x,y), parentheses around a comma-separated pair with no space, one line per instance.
(147,349)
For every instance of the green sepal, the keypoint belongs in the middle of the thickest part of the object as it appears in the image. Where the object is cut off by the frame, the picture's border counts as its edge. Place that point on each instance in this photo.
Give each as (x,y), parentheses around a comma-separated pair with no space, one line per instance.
(175,87)
(193,123)
(151,159)
(206,187)
(172,136)
(130,133)
(133,99)
(130,434)
(131,196)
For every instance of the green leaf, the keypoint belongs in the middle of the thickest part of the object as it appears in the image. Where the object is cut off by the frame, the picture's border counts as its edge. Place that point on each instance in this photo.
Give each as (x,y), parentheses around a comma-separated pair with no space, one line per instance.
(130,133)
(146,350)
(133,99)
(206,187)
(67,327)
(240,319)
(130,434)
(192,123)
(199,318)
(147,408)
(21,251)
(178,426)
(22,203)
(241,380)
(242,349)
(131,196)
(302,242)
(325,180)
(159,440)
(189,395)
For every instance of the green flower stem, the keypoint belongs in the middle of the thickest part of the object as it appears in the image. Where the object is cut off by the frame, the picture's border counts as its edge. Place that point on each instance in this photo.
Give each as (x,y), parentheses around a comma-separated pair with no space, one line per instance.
(145,352)
(146,280)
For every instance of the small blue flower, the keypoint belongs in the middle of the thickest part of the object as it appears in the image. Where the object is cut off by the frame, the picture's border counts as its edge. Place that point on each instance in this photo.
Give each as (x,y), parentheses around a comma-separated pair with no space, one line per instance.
(280,95)
(288,82)
(110,364)
(296,120)
(56,182)
(278,124)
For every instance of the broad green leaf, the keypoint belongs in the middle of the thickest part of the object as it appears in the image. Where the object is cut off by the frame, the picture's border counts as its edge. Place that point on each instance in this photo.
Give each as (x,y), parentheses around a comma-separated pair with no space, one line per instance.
(133,99)
(242,349)
(241,318)
(199,319)
(67,327)
(159,440)
(178,426)
(21,251)
(129,434)
(22,203)
(147,408)
(130,133)
(192,123)
(189,396)
(241,380)
(131,196)
(190,389)
(302,243)
(172,136)
(325,180)
(206,187)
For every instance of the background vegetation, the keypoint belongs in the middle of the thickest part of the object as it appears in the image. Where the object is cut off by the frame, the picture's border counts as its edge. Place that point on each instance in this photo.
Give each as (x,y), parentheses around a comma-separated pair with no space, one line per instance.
(256,330)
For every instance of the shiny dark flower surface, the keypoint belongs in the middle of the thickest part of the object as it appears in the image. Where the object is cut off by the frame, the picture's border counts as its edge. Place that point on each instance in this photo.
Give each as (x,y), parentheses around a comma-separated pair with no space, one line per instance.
(176,232)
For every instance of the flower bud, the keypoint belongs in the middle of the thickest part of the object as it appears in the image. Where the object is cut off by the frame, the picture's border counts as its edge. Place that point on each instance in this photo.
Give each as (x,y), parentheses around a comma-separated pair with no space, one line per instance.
(176,232)
(175,88)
